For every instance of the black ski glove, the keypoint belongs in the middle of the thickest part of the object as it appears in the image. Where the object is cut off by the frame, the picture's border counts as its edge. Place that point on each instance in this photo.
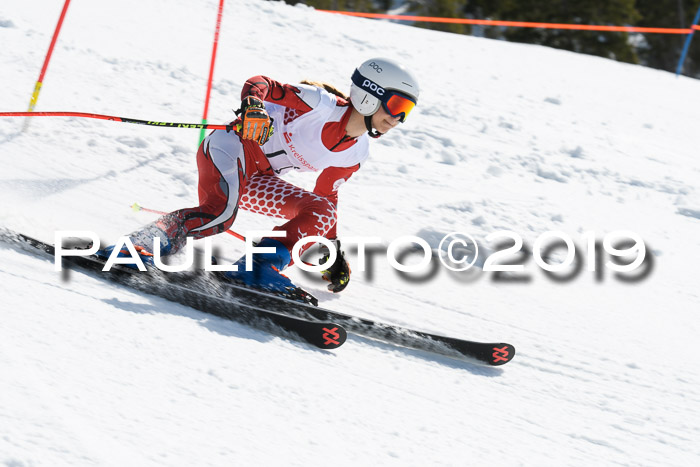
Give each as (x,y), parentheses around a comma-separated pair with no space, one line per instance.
(338,274)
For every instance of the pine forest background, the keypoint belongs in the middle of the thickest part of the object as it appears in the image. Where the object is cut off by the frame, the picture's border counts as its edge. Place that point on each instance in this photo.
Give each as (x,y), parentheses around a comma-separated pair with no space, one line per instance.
(660,51)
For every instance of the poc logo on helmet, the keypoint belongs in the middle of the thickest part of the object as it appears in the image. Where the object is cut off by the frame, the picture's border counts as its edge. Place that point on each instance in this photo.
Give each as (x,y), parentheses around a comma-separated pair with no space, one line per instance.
(376,67)
(373,87)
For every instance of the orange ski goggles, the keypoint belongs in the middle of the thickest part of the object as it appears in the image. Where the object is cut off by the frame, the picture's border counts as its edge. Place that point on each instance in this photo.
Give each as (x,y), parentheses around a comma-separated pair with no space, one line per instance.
(398,104)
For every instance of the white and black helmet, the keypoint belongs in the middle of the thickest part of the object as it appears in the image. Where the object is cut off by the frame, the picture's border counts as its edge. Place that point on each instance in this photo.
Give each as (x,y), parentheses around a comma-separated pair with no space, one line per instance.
(376,80)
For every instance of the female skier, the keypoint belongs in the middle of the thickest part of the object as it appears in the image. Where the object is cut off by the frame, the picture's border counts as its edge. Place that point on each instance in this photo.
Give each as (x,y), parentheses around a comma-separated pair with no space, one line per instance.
(284,127)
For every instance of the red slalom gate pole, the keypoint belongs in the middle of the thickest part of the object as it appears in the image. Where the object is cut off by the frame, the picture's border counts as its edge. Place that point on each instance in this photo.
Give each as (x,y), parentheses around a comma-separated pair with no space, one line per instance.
(40,81)
(211,68)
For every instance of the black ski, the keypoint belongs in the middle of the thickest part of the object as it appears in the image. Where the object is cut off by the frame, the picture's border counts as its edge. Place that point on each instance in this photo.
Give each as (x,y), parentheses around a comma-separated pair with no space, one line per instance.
(320,333)
(207,292)
(491,353)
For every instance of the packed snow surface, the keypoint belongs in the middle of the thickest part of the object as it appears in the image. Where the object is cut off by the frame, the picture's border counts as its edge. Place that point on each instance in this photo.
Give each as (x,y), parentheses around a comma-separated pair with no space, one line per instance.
(505,137)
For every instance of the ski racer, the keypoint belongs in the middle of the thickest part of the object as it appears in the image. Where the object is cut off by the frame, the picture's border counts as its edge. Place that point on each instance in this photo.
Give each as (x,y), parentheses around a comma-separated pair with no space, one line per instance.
(280,128)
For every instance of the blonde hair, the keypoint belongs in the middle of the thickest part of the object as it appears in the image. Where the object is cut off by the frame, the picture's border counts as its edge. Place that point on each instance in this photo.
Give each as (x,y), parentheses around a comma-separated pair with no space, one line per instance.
(328,87)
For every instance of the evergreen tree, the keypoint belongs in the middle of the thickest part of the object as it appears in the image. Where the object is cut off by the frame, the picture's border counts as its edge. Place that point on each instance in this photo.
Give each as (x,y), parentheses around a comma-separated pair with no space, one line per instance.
(605,44)
(440,9)
(366,6)
(664,50)
(656,50)
(486,9)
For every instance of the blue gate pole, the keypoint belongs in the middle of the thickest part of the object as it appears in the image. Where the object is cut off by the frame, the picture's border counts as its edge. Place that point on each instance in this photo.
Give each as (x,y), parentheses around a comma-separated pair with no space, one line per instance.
(687,43)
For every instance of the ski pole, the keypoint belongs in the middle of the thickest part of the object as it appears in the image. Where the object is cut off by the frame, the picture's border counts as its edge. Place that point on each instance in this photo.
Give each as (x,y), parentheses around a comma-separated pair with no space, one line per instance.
(228,127)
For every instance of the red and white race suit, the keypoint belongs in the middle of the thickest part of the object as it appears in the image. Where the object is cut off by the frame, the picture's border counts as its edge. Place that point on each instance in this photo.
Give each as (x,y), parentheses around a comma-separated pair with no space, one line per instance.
(309,135)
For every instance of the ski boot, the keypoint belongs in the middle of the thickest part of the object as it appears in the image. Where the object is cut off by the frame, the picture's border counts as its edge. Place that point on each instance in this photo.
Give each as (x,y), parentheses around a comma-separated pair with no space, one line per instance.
(267,273)
(145,255)
(143,244)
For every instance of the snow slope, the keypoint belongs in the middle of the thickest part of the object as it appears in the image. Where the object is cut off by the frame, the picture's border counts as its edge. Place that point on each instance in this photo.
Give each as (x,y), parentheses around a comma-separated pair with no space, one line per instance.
(506,136)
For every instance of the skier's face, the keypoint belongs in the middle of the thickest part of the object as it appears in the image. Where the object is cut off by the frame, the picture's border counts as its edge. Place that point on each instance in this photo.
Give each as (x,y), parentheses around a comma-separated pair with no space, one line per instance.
(383,122)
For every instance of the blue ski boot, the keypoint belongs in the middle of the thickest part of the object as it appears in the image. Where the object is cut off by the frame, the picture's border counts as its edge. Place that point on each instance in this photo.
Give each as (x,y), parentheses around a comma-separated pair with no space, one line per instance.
(145,256)
(143,244)
(267,273)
